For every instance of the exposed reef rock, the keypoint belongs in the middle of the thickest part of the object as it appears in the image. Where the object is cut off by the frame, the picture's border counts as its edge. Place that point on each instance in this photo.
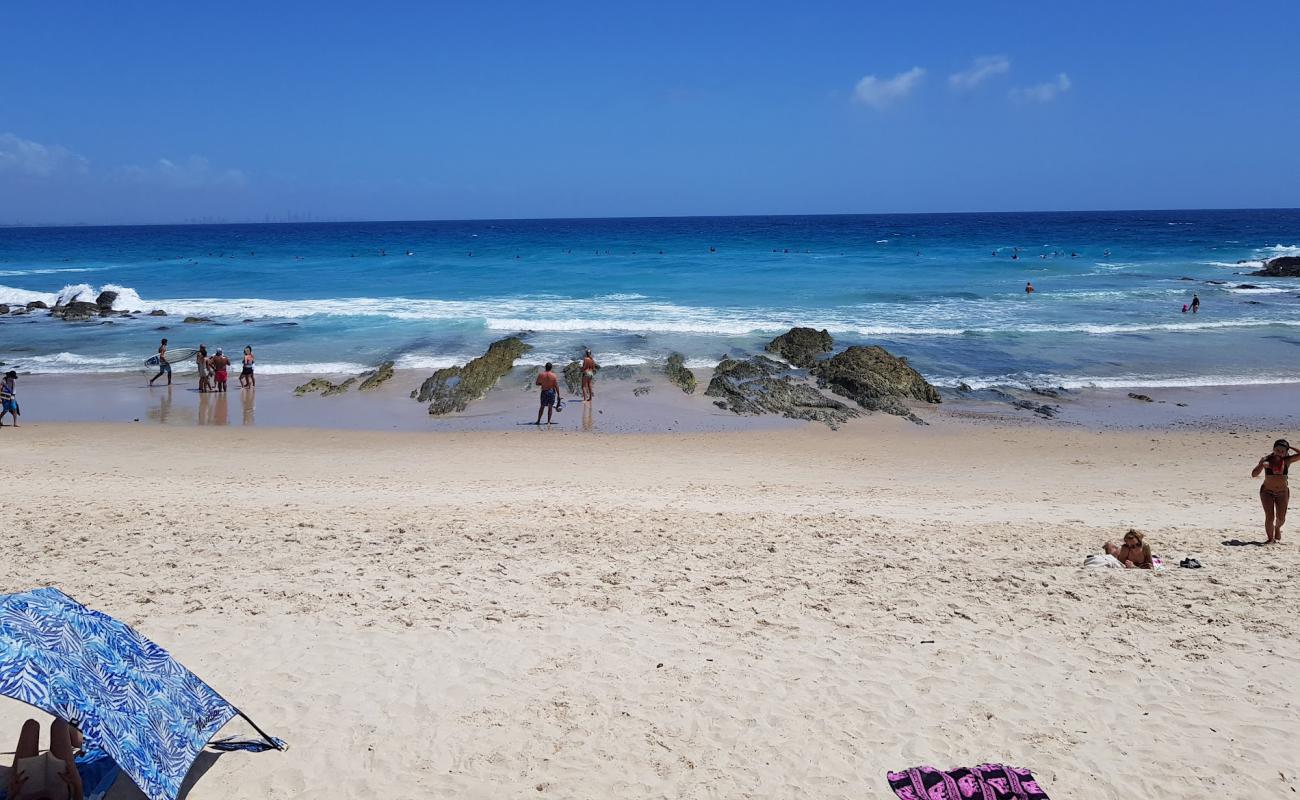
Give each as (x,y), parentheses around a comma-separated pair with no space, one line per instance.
(875,380)
(75,311)
(678,374)
(760,385)
(376,377)
(801,346)
(453,388)
(196,320)
(106,300)
(1280,267)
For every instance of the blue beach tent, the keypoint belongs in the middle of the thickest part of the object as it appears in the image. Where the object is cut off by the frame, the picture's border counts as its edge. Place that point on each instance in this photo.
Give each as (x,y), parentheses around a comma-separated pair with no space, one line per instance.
(138,709)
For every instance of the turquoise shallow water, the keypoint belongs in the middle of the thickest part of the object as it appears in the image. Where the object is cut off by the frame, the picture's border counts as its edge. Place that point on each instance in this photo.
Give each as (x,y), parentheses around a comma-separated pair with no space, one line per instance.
(943,290)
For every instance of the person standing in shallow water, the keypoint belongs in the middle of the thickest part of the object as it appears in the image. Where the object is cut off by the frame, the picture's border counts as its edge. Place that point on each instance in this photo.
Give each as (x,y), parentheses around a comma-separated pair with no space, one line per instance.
(1275,492)
(246,378)
(1029,288)
(1196,303)
(589,367)
(550,392)
(220,365)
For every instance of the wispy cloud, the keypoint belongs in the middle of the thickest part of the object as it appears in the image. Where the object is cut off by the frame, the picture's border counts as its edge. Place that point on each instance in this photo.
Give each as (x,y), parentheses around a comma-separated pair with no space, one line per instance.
(1042,92)
(982,69)
(192,173)
(880,93)
(33,158)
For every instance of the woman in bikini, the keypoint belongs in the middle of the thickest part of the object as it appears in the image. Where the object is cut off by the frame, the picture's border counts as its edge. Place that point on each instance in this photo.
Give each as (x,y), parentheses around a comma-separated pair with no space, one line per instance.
(1274,493)
(51,775)
(246,377)
(205,371)
(589,367)
(1134,553)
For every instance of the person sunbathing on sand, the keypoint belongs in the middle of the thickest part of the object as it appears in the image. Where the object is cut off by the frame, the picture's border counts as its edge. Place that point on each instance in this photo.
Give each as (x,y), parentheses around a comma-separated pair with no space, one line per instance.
(50,775)
(1133,554)
(1275,493)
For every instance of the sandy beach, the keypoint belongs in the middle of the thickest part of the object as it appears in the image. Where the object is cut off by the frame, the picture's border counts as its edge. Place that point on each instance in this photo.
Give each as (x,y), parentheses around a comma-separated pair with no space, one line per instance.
(767,613)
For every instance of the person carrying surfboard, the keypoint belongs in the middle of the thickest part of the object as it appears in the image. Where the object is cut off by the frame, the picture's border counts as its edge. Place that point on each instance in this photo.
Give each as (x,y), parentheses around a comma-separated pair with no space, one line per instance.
(163,365)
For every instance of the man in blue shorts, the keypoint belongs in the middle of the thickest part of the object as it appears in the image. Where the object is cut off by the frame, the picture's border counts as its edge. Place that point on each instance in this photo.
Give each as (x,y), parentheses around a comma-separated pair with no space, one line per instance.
(163,365)
(550,392)
(9,397)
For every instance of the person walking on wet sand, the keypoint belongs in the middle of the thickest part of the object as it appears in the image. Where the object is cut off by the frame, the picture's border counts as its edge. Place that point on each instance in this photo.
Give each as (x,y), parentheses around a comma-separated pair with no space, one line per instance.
(550,392)
(9,398)
(163,366)
(220,367)
(1275,492)
(589,367)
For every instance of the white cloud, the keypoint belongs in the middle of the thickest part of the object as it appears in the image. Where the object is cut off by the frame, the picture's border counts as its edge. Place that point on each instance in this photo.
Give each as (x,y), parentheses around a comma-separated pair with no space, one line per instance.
(1042,92)
(982,69)
(193,173)
(879,93)
(33,158)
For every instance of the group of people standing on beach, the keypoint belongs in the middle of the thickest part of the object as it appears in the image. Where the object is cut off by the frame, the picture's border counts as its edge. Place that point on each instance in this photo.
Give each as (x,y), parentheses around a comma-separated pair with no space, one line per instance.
(213,369)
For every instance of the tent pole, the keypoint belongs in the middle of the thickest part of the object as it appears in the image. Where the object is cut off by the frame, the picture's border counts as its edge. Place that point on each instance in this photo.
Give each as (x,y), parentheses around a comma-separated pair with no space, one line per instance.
(264,734)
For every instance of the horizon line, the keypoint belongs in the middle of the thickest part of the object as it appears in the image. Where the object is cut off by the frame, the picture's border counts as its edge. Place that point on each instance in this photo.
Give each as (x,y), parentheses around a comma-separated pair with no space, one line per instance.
(56,225)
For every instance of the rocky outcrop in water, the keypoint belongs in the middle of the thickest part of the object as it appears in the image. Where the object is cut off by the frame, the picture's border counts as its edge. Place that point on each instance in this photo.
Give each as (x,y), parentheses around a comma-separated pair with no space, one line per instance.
(36,304)
(875,380)
(678,374)
(1280,267)
(760,385)
(453,388)
(105,300)
(376,377)
(4,309)
(801,346)
(75,311)
(157,312)
(196,320)
(314,385)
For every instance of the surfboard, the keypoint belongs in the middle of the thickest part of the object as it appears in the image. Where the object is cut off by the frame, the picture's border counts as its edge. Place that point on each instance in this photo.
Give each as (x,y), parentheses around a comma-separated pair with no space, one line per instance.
(181,359)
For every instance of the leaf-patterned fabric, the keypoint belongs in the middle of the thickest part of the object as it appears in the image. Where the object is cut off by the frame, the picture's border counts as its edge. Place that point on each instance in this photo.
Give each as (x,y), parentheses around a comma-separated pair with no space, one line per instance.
(129,697)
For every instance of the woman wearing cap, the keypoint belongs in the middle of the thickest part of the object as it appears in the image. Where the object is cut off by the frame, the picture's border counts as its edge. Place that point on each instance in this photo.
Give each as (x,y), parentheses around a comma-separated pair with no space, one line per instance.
(1274,493)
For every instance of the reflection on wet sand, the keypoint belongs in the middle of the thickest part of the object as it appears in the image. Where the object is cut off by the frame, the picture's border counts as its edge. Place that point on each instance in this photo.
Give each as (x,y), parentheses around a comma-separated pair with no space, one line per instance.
(205,408)
(588,424)
(247,397)
(221,413)
(163,410)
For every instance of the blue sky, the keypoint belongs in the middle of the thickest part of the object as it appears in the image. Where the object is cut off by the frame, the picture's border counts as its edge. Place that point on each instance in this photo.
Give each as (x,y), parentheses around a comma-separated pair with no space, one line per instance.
(151,112)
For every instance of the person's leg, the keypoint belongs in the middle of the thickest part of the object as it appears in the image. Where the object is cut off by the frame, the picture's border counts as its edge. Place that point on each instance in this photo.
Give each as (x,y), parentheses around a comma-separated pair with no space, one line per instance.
(540,408)
(1266,499)
(61,747)
(156,377)
(1283,499)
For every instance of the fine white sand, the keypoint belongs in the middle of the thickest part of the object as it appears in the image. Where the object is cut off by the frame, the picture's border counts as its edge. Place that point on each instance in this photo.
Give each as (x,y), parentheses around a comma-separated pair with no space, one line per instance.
(766,614)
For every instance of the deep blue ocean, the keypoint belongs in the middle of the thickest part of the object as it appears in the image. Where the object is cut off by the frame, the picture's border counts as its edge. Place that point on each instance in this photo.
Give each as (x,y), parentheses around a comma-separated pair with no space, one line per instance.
(943,290)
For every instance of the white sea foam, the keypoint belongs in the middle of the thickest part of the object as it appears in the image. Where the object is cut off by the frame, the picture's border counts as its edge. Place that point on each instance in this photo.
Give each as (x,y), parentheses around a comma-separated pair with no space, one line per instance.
(127,299)
(14,273)
(1282,249)
(1235,265)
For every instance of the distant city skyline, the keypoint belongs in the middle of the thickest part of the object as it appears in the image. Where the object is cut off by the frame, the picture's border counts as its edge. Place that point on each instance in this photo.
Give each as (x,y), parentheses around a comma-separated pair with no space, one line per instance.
(243,113)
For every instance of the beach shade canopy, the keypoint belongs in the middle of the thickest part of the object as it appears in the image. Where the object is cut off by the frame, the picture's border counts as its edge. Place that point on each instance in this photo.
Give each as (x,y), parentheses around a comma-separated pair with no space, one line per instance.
(127,695)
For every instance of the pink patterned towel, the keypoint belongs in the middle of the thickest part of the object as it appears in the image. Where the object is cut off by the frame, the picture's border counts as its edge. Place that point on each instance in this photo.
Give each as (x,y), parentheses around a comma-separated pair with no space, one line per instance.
(983,782)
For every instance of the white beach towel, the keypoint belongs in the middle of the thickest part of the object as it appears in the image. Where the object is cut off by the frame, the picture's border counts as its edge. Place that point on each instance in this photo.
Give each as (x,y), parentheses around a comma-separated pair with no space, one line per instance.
(1102,560)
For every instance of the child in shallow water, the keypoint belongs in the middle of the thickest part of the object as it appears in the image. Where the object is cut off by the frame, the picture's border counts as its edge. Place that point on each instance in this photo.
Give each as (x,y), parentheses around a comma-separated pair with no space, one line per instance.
(1134,553)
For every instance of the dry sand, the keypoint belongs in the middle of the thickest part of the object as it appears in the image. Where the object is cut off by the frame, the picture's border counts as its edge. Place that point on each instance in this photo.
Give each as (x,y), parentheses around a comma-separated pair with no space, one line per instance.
(773,614)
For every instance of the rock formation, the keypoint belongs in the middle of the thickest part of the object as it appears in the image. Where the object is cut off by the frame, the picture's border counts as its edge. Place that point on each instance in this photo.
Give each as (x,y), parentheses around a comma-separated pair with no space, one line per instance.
(376,377)
(801,346)
(760,385)
(1280,267)
(875,380)
(453,388)
(679,375)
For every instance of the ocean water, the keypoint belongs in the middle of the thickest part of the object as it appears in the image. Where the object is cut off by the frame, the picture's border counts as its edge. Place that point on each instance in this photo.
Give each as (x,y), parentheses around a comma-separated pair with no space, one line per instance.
(942,290)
